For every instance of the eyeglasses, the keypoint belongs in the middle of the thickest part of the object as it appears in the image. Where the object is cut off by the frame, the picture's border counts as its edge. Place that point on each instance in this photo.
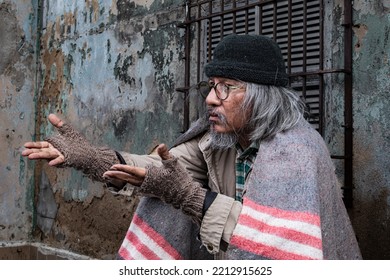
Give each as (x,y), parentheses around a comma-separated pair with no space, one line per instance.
(221,90)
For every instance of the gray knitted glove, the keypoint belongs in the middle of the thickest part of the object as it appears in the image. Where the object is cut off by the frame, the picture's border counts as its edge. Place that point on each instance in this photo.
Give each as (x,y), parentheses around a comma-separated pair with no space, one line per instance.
(172,184)
(81,155)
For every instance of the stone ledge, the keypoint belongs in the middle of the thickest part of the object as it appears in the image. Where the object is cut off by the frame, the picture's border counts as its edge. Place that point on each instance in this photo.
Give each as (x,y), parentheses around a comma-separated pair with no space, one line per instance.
(35,251)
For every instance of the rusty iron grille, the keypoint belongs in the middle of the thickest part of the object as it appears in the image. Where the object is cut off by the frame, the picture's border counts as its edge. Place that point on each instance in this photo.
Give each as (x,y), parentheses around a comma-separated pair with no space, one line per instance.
(297,26)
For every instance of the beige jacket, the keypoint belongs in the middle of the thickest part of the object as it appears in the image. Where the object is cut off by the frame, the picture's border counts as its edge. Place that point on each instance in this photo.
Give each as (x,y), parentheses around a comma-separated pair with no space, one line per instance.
(217,168)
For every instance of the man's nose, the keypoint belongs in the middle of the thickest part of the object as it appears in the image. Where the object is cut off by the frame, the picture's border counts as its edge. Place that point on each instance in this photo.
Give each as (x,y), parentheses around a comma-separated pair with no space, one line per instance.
(212,98)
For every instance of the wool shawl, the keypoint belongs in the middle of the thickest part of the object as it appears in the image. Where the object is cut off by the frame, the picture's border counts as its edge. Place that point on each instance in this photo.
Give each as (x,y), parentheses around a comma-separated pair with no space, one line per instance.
(292,209)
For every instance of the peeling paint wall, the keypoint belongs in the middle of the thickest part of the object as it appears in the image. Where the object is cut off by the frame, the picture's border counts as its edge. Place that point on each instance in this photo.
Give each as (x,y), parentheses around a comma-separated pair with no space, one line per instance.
(371,113)
(371,61)
(110,68)
(17,115)
(334,83)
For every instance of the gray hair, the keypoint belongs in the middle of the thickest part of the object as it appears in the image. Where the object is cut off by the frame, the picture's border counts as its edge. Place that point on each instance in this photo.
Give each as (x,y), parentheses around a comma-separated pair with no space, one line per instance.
(273,110)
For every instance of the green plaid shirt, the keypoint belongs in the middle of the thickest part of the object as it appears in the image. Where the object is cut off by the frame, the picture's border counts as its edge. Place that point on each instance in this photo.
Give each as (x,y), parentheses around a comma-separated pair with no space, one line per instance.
(244,162)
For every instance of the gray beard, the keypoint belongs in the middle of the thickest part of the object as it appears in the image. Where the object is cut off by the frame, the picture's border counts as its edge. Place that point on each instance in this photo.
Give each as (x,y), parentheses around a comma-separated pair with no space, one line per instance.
(222,141)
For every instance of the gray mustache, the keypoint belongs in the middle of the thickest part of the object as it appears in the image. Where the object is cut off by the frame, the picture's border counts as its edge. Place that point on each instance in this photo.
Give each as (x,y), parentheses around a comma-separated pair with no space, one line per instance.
(219,115)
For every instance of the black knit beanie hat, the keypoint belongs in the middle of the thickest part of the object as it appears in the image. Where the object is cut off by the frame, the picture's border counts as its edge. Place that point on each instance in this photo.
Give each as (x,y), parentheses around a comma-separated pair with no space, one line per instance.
(249,58)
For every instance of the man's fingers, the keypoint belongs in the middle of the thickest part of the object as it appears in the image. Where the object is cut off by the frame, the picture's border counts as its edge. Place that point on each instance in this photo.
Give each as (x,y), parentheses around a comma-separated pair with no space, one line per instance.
(129,174)
(163,152)
(136,171)
(38,145)
(28,152)
(56,121)
(123,176)
(58,160)
(39,154)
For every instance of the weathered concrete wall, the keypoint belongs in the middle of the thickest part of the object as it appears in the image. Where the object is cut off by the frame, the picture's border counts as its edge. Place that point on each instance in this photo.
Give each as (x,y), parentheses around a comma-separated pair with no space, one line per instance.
(371,140)
(110,68)
(334,83)
(17,115)
(371,62)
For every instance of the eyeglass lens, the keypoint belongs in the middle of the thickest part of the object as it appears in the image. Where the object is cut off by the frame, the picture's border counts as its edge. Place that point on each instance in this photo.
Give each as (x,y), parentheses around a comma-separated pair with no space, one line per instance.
(204,88)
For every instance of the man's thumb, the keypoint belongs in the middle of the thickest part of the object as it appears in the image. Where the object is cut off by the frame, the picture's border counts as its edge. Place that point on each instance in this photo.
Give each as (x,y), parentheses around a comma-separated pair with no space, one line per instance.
(163,152)
(56,121)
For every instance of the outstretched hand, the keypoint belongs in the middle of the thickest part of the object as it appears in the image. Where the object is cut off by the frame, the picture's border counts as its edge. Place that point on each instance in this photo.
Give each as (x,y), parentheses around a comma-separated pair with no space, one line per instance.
(132,174)
(170,182)
(43,149)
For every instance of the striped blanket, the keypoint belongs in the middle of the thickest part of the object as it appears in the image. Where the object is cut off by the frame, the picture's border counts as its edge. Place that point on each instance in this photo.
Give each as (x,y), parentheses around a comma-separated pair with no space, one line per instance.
(292,209)
(278,234)
(159,231)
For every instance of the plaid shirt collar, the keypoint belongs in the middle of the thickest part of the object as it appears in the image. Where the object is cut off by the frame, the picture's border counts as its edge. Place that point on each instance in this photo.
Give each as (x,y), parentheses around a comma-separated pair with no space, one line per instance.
(244,161)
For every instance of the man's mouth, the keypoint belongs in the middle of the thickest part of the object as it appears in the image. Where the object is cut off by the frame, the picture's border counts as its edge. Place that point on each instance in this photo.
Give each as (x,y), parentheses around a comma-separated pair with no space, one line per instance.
(214,116)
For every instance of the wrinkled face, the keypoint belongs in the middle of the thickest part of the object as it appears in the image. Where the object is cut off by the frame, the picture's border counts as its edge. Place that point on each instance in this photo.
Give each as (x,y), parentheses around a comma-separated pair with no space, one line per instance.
(226,115)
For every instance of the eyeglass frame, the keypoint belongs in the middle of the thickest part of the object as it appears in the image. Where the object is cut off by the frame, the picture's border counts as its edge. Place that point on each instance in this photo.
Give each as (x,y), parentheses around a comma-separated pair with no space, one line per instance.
(227,89)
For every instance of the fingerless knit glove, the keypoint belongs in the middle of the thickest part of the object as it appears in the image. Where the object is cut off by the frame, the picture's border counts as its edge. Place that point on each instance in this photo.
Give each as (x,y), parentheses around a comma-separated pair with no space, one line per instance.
(172,184)
(81,155)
